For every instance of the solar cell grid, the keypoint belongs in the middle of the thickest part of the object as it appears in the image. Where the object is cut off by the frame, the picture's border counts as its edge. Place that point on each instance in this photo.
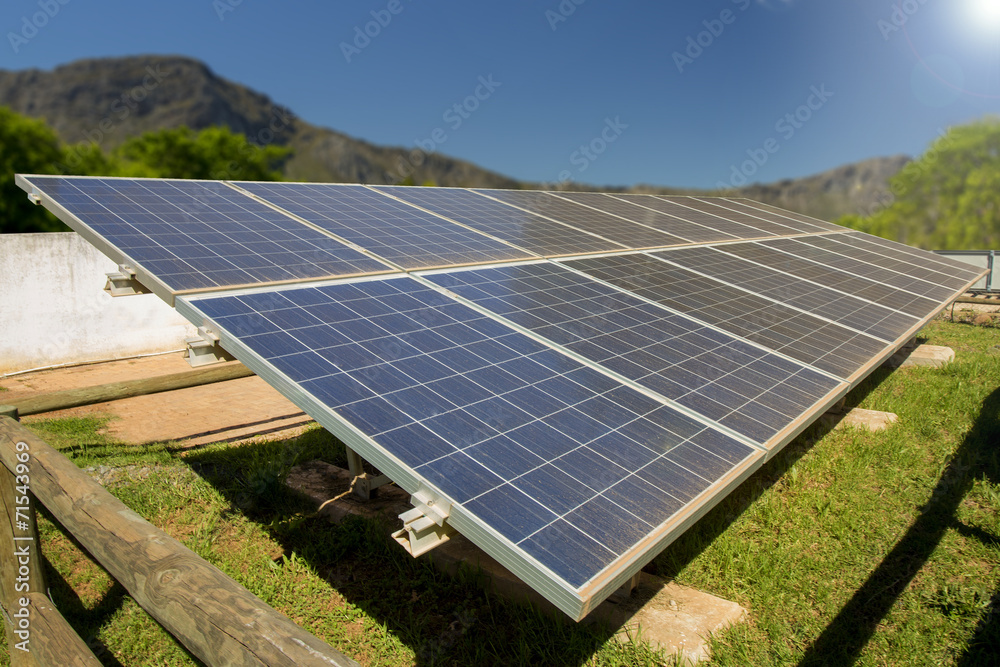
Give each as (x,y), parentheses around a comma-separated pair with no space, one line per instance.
(894,249)
(808,226)
(201,234)
(731,382)
(769,253)
(798,335)
(790,215)
(860,262)
(923,267)
(390,229)
(715,206)
(632,211)
(525,230)
(667,206)
(530,442)
(629,234)
(825,302)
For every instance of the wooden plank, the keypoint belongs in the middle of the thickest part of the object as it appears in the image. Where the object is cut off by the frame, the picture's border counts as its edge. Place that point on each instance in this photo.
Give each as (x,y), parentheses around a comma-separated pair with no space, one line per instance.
(114,391)
(218,620)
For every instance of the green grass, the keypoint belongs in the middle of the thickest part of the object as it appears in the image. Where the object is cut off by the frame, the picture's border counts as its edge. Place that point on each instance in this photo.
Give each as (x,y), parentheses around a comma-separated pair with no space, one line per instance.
(847,548)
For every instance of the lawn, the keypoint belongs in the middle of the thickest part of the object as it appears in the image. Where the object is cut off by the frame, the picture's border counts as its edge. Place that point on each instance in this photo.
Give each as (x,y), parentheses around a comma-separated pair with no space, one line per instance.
(849,547)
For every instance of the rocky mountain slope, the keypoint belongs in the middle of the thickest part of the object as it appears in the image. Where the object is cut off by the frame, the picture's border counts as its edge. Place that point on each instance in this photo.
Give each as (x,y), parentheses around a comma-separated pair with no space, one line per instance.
(108,100)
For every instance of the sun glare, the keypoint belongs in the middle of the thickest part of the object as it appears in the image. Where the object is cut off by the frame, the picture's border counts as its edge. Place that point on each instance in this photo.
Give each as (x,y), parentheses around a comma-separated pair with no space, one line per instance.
(986,12)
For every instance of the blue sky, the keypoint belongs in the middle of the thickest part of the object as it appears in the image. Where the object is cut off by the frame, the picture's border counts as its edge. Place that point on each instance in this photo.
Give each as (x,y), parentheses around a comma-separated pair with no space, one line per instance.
(688,94)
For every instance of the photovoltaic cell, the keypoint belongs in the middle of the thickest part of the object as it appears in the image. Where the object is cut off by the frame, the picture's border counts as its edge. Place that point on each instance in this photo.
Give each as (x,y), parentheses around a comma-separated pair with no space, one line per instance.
(870,318)
(899,251)
(711,206)
(791,215)
(624,208)
(525,230)
(729,381)
(805,225)
(397,232)
(201,234)
(922,267)
(769,253)
(629,234)
(860,262)
(801,336)
(534,445)
(668,206)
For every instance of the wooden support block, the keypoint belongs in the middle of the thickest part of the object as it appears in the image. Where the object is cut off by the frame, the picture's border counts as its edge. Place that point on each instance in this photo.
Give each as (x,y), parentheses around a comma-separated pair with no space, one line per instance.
(9,411)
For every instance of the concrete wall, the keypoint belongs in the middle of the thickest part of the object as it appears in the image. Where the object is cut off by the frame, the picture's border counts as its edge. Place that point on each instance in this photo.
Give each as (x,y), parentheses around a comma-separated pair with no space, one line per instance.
(53,309)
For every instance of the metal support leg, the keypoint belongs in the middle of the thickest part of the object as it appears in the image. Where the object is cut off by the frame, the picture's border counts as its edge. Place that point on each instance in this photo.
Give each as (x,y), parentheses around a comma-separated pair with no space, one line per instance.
(365,485)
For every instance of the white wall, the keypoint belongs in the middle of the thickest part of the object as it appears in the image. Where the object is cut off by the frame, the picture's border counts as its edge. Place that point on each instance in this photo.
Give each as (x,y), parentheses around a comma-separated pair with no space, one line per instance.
(53,309)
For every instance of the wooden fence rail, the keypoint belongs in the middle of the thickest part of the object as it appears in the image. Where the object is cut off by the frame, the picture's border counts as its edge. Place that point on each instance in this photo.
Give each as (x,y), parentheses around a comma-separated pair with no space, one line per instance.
(218,620)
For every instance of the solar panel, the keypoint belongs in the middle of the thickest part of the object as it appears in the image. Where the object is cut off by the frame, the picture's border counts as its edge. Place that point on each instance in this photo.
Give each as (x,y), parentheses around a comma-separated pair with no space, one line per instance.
(924,267)
(905,252)
(737,385)
(789,215)
(396,232)
(806,225)
(183,235)
(535,452)
(525,230)
(801,336)
(670,207)
(619,230)
(710,205)
(779,254)
(858,261)
(858,314)
(630,210)
(571,415)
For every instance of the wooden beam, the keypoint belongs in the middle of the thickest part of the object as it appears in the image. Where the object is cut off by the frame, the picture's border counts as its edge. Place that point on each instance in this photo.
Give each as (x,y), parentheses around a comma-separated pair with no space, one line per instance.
(218,620)
(37,634)
(114,391)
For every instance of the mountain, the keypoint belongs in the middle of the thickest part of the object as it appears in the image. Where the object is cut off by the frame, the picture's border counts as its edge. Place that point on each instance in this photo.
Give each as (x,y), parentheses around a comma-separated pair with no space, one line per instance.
(111,99)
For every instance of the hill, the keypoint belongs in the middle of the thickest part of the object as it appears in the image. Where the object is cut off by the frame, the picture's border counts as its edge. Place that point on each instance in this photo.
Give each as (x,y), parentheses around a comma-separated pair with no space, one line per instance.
(111,99)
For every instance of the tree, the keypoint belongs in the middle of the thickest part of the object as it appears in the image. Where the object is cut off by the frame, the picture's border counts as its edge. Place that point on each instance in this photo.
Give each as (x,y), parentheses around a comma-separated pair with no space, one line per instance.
(27,146)
(949,198)
(214,153)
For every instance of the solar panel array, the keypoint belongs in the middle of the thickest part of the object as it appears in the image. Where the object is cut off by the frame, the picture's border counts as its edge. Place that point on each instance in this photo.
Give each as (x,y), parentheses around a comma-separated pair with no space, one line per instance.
(573,377)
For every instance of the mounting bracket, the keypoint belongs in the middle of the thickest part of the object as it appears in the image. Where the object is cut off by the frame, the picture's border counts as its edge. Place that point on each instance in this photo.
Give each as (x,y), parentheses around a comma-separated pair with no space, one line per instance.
(123,283)
(426,525)
(204,349)
(363,484)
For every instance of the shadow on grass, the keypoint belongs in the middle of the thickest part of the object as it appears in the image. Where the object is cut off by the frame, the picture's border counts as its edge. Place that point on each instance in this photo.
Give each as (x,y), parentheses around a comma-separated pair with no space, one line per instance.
(845,637)
(441,618)
(86,622)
